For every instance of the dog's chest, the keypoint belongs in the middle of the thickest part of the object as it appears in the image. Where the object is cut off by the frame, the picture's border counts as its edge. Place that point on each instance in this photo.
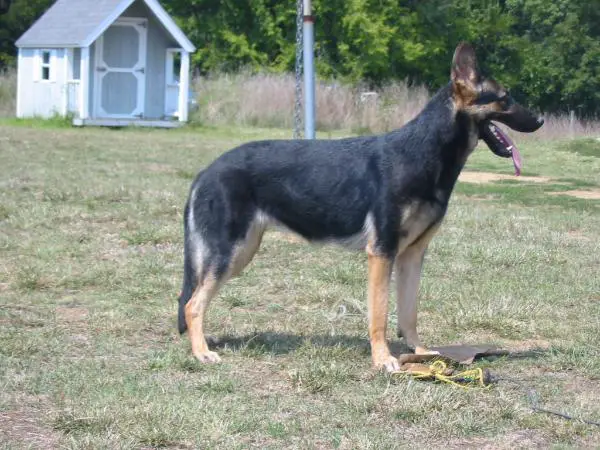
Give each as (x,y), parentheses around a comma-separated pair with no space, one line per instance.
(417,216)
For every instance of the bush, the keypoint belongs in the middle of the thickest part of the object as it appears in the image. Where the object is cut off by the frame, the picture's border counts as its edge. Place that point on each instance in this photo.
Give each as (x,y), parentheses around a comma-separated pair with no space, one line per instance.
(267,100)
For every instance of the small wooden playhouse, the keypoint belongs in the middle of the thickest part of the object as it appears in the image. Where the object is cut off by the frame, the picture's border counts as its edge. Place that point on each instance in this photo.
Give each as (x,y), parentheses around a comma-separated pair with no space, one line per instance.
(105,62)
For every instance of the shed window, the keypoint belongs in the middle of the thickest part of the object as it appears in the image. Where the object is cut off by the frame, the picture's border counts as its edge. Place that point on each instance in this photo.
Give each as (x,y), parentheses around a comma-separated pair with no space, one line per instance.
(173,66)
(75,57)
(46,59)
(45,65)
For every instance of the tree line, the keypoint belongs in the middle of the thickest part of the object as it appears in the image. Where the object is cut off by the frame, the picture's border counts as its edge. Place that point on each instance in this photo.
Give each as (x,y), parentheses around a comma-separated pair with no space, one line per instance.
(546,52)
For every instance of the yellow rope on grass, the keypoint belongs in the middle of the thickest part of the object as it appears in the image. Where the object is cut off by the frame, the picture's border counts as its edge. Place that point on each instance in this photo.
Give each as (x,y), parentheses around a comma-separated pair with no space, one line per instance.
(438,369)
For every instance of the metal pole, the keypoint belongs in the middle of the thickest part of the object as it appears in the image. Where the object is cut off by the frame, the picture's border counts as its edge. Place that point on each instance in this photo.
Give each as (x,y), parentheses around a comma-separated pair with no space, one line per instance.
(298,72)
(309,71)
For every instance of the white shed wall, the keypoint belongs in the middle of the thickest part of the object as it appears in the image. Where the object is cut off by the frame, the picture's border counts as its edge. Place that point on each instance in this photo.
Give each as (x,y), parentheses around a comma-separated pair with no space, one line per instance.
(37,97)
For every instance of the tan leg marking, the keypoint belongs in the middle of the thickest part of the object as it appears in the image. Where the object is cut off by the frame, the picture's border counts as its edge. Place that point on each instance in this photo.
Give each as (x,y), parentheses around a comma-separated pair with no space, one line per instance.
(195,310)
(408,275)
(380,269)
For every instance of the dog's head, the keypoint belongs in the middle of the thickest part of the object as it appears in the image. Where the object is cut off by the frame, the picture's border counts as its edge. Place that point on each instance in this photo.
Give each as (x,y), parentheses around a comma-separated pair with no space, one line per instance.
(485,100)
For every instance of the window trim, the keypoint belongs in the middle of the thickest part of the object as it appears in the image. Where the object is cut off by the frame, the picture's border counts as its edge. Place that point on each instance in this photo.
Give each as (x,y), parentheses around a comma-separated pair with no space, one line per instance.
(41,65)
(172,78)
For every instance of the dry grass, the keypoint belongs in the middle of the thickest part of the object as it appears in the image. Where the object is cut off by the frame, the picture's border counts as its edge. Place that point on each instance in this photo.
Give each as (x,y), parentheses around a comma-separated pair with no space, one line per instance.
(8,93)
(267,100)
(561,127)
(91,262)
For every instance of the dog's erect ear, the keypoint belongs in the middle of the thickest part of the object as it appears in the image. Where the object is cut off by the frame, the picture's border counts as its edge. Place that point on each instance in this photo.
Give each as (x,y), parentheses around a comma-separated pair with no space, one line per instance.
(464,72)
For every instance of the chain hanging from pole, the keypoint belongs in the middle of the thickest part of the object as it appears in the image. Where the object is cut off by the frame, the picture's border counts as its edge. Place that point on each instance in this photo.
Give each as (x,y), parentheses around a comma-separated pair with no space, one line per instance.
(298,91)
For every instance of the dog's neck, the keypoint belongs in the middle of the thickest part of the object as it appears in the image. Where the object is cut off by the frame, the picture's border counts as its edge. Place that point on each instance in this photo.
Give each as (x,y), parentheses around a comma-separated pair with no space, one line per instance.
(449,134)
(453,129)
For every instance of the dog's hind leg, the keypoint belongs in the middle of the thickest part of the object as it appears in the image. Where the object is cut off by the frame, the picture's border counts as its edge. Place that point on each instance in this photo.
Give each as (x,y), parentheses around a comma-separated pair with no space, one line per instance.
(195,311)
(220,269)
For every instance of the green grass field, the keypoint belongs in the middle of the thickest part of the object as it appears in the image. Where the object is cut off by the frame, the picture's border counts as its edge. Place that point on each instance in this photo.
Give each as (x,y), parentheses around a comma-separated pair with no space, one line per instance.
(90,268)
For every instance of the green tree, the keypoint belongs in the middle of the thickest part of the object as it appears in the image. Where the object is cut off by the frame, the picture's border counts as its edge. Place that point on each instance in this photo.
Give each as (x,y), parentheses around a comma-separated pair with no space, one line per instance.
(548,52)
(230,34)
(561,61)
(15,22)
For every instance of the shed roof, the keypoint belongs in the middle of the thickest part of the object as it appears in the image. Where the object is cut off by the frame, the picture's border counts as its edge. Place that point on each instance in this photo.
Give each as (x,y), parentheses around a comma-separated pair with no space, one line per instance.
(78,23)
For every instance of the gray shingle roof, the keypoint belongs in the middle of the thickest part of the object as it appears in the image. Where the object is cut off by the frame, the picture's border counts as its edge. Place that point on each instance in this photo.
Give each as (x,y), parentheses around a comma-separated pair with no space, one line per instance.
(67,23)
(71,23)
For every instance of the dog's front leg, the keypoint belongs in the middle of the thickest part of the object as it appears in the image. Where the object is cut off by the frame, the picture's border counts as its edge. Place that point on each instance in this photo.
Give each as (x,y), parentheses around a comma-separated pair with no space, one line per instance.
(380,270)
(408,276)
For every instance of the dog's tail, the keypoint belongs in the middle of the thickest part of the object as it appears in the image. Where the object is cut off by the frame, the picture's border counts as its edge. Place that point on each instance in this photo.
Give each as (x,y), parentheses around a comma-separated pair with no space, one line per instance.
(189,276)
(186,293)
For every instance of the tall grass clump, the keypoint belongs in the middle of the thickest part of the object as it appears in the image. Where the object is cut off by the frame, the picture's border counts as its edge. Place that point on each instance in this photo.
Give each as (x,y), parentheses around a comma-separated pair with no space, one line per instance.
(8,92)
(267,100)
(562,127)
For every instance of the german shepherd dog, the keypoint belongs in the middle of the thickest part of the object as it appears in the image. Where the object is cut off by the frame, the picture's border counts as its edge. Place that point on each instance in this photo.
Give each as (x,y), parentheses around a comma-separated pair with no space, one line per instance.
(386,194)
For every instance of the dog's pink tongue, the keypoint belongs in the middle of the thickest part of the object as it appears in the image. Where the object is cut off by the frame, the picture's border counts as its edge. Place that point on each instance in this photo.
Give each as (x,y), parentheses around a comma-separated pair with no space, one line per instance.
(517,161)
(510,145)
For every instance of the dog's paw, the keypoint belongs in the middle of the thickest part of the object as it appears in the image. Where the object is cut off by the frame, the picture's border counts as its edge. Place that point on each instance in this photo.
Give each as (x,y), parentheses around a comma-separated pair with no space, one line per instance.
(388,363)
(208,357)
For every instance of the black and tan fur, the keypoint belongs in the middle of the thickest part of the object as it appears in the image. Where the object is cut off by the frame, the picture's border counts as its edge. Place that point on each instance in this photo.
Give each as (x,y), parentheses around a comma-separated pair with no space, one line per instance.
(385,194)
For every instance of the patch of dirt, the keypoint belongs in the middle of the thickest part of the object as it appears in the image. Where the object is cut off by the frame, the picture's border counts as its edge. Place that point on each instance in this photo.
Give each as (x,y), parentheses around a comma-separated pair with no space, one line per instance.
(74,314)
(578,235)
(489,177)
(23,429)
(593,194)
(587,389)
(75,320)
(481,337)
